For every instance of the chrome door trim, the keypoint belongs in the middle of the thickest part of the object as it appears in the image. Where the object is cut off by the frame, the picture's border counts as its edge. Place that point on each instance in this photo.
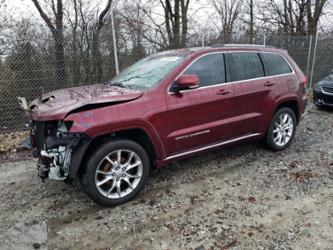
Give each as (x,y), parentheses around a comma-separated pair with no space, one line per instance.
(211,146)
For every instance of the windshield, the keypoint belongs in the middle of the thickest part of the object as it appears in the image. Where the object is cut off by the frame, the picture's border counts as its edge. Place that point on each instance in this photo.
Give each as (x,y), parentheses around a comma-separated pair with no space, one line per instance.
(147,72)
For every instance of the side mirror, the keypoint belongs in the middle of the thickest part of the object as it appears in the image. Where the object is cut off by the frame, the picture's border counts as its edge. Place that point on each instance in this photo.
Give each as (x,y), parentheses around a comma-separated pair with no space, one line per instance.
(186,82)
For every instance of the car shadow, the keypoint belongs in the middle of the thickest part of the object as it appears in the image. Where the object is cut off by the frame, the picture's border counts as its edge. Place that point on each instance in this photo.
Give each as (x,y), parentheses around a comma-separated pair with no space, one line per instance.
(203,161)
(326,109)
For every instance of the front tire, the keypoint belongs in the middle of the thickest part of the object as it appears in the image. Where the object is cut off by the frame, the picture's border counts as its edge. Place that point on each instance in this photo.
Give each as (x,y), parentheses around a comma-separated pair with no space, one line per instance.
(281,130)
(116,172)
(321,107)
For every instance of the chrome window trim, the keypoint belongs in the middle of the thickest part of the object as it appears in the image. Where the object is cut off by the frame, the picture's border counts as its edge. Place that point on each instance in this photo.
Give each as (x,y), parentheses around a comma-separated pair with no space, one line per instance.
(232,82)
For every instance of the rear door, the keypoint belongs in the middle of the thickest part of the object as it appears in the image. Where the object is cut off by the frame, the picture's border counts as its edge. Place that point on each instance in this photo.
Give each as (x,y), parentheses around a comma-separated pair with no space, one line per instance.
(201,116)
(253,90)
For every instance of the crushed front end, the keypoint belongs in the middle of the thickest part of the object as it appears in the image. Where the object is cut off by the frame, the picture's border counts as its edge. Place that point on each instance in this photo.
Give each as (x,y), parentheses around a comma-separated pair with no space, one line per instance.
(59,151)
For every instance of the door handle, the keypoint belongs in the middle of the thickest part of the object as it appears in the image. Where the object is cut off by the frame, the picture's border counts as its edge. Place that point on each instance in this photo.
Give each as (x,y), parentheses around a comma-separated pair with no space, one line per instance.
(223,92)
(268,84)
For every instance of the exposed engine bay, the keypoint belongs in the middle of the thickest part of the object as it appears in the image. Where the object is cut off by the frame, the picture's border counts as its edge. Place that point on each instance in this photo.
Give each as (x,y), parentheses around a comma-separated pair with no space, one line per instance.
(59,151)
(54,146)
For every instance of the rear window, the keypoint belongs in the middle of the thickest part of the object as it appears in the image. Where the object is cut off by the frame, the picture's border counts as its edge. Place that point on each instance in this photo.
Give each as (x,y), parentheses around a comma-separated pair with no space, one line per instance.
(245,66)
(275,64)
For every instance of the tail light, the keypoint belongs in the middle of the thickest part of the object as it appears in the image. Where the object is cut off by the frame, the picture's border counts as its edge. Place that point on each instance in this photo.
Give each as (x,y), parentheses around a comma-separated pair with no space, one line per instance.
(305,80)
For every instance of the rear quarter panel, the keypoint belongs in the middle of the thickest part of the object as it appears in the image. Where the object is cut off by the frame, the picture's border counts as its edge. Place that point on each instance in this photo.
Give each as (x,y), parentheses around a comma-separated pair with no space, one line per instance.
(291,89)
(300,78)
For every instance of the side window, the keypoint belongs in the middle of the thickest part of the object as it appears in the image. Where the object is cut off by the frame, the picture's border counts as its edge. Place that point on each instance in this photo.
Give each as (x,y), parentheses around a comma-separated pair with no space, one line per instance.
(210,69)
(245,66)
(275,64)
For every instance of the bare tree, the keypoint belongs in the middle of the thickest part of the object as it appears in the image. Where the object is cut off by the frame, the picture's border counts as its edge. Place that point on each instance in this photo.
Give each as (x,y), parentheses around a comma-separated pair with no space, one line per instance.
(228,11)
(314,10)
(4,25)
(176,21)
(95,52)
(74,24)
(134,28)
(57,33)
(248,19)
(155,33)
(292,16)
(295,17)
(251,22)
(86,28)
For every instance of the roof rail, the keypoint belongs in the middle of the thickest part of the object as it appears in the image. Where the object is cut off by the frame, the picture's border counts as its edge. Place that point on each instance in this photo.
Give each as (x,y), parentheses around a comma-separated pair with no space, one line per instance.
(241,45)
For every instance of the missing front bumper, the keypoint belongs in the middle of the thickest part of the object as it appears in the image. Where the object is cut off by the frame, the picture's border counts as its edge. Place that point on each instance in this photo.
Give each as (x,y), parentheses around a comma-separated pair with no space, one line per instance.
(56,158)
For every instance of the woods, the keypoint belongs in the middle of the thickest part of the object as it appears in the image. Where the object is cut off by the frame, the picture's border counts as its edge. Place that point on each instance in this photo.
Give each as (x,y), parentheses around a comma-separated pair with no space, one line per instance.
(58,35)
(299,17)
(80,30)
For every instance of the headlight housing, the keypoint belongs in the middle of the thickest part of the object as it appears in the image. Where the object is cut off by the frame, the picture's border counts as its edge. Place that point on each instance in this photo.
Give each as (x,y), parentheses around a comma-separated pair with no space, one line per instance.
(64,126)
(317,87)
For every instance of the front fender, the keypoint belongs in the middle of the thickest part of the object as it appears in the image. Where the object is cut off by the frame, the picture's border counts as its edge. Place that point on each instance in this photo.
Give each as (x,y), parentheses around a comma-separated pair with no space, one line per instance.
(85,122)
(77,157)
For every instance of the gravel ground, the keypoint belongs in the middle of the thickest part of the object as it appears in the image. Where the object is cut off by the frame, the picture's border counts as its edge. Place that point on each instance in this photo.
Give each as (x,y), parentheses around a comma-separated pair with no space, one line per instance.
(243,197)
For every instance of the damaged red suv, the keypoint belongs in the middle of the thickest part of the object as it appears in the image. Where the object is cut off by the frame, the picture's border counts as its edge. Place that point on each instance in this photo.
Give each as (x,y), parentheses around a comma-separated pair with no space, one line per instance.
(165,107)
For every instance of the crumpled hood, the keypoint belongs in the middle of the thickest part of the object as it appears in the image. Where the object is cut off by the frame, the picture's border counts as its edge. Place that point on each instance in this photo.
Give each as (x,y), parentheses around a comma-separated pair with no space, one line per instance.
(57,104)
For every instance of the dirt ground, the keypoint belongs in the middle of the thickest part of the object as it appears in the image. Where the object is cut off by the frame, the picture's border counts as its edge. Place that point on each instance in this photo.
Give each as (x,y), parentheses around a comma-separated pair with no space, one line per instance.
(243,197)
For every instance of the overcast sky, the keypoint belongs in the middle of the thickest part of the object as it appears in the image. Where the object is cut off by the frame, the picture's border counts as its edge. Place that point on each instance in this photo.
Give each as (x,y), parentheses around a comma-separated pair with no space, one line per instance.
(199,9)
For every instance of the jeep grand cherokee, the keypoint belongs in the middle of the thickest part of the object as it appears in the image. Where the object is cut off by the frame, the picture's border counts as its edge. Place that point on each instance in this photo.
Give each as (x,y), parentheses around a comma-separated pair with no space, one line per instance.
(167,106)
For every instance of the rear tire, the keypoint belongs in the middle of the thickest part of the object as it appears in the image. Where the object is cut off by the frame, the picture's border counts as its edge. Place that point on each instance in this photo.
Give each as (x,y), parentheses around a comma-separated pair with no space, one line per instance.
(116,172)
(282,128)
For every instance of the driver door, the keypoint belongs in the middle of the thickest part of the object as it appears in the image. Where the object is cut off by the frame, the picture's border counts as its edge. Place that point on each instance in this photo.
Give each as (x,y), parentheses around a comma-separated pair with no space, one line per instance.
(202,116)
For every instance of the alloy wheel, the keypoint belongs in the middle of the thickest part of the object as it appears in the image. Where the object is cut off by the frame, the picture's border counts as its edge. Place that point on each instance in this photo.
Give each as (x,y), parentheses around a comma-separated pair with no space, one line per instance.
(118,174)
(283,129)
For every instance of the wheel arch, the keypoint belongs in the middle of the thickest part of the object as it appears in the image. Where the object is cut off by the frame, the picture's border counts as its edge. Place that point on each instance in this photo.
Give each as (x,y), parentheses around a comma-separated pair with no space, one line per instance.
(138,135)
(292,104)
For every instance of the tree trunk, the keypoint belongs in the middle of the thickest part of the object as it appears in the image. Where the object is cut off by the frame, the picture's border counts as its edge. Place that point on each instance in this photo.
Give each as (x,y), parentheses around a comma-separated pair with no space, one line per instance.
(176,27)
(313,18)
(184,10)
(251,22)
(61,74)
(96,60)
(75,60)
(176,22)
(97,71)
(58,36)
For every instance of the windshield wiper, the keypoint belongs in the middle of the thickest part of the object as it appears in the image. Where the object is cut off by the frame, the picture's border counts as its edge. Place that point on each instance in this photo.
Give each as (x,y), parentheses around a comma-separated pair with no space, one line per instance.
(119,84)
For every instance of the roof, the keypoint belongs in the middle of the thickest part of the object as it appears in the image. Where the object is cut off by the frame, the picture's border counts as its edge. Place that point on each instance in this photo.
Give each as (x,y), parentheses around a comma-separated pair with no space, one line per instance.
(218,47)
